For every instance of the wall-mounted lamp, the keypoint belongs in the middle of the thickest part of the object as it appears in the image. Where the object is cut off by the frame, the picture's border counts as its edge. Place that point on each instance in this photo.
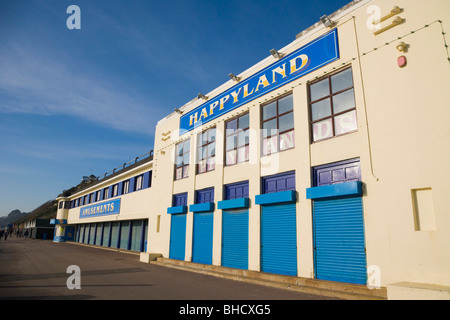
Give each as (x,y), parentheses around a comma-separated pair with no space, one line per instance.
(327,21)
(402,47)
(276,54)
(233,77)
(178,111)
(202,96)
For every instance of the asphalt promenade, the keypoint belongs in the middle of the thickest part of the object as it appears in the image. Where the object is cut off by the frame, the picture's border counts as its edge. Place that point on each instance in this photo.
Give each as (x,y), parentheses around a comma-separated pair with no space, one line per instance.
(38,270)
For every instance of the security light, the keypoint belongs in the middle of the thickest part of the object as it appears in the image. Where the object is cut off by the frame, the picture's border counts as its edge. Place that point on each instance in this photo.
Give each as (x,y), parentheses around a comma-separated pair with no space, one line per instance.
(178,111)
(202,96)
(233,77)
(402,47)
(326,21)
(276,54)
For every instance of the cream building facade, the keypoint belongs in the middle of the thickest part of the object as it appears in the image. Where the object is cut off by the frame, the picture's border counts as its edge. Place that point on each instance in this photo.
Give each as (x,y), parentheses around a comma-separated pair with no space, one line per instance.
(327,160)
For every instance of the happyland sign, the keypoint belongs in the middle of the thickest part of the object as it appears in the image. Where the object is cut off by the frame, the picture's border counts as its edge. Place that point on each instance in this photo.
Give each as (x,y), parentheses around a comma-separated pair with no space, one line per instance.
(308,58)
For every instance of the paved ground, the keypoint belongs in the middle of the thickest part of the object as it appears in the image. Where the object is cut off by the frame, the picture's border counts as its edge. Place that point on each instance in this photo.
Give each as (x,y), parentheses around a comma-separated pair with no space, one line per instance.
(37,270)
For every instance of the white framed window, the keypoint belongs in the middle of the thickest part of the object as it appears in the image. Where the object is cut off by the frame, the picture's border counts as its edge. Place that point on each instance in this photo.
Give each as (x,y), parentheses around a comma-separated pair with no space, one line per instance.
(115,190)
(139,182)
(106,193)
(126,187)
(182,154)
(332,106)
(278,125)
(206,151)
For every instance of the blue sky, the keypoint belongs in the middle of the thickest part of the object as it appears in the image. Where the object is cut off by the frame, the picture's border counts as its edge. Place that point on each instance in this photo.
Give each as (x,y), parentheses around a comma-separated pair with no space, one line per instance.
(81,102)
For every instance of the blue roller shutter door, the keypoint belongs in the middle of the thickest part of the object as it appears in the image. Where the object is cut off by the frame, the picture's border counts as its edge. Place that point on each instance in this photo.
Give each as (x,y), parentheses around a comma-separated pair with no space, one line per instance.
(202,242)
(137,235)
(177,236)
(124,235)
(278,228)
(114,235)
(203,237)
(235,229)
(339,249)
(279,239)
(106,234)
(98,236)
(235,238)
(91,233)
(81,228)
(178,229)
(338,226)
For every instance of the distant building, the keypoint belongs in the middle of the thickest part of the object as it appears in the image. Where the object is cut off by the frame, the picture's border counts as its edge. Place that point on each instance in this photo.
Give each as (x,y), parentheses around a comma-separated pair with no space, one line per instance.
(326,160)
(38,229)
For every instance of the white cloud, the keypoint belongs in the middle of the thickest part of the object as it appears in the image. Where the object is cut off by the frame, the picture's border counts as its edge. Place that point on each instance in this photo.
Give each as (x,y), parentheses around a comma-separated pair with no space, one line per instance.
(32,83)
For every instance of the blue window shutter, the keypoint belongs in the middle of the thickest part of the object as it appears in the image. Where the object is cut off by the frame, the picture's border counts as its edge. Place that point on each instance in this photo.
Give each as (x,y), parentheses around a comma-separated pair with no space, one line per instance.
(120,188)
(147,180)
(132,185)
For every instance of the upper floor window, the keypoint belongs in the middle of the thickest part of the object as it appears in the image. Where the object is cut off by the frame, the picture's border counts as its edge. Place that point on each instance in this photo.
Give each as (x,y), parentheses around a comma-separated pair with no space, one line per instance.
(115,190)
(106,193)
(278,125)
(126,187)
(179,199)
(182,154)
(332,105)
(237,140)
(236,190)
(206,151)
(204,195)
(139,182)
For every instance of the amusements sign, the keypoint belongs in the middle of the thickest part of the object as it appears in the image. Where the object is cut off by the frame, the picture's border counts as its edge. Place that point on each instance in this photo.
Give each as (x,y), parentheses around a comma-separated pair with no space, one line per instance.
(101,209)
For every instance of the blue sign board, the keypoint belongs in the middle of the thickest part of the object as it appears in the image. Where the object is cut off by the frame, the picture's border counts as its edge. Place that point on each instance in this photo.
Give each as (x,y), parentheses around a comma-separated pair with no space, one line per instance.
(101,209)
(308,58)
